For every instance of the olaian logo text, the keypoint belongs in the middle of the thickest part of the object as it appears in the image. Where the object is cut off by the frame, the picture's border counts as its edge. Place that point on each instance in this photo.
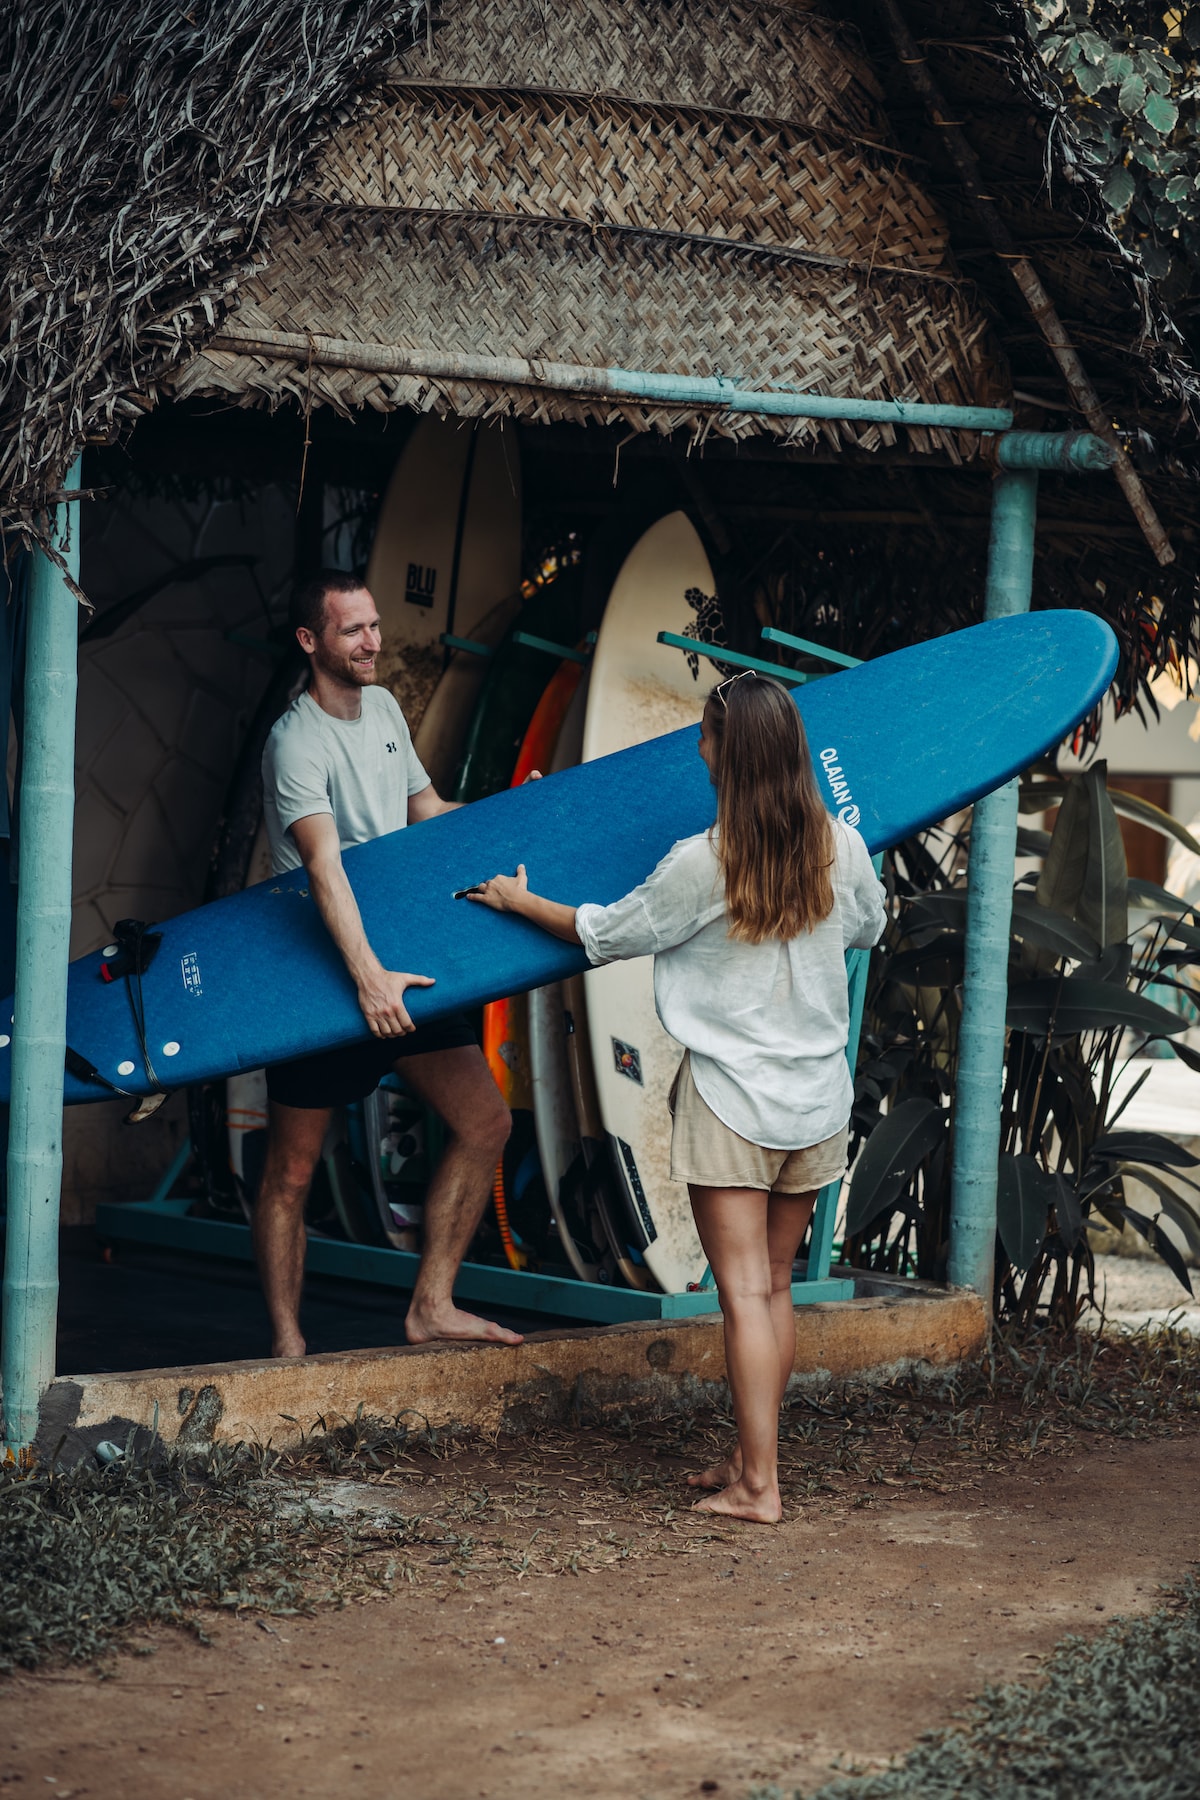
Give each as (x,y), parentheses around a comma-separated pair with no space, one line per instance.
(843,799)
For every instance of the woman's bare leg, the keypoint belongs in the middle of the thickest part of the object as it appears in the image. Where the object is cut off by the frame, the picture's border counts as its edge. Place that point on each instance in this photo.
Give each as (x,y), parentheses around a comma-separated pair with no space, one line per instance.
(787,1221)
(732,1223)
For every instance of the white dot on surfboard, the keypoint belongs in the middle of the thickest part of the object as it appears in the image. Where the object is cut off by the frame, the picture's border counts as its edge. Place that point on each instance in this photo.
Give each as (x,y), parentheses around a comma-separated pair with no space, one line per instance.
(171,1049)
(125,1068)
(109,950)
(5,1040)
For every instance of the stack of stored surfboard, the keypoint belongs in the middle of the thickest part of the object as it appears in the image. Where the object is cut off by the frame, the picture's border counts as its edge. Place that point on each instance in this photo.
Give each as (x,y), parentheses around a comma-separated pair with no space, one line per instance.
(583,1063)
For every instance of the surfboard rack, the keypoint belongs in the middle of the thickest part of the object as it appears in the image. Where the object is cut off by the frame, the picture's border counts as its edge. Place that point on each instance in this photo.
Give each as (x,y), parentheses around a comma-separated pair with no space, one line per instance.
(772,635)
(563,651)
(163,1221)
(717,653)
(469,645)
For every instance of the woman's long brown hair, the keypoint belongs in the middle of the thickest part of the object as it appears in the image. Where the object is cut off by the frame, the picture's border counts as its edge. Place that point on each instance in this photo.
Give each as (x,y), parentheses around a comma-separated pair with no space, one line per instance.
(774,838)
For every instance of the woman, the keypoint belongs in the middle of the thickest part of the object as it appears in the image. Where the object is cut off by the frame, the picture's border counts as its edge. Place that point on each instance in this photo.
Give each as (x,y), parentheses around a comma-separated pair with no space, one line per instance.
(749,924)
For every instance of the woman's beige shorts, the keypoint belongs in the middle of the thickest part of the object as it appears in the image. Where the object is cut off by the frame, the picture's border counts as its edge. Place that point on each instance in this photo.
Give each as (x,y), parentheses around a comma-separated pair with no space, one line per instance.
(709,1154)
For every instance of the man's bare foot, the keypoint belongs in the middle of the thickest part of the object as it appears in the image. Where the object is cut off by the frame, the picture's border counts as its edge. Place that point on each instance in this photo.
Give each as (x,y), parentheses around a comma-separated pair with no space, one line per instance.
(288,1343)
(449,1324)
(721,1475)
(738,1501)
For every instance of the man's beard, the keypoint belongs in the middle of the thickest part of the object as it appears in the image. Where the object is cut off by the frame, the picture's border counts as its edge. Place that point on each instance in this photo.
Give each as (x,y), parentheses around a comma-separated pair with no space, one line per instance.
(342,669)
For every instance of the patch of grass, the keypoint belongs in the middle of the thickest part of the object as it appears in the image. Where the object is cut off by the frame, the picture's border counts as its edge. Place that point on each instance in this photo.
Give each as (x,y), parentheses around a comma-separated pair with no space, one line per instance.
(87,1554)
(1114,1715)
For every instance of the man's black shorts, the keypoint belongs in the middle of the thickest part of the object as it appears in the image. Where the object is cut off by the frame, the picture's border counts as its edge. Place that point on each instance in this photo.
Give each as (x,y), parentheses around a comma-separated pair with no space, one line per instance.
(336,1077)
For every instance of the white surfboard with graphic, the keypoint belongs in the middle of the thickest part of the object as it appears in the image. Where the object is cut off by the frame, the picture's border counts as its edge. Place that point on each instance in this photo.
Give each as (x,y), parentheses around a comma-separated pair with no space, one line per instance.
(639,690)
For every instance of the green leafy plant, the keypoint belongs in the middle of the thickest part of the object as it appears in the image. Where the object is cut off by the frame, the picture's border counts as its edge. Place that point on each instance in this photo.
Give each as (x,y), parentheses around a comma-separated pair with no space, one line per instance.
(1093,956)
(1131,77)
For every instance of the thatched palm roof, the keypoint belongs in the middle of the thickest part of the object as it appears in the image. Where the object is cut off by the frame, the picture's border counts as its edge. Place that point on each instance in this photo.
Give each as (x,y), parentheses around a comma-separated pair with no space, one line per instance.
(142,144)
(683,185)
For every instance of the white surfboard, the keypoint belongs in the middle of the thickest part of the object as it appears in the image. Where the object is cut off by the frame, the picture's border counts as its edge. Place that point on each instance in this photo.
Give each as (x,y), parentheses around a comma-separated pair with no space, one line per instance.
(439,738)
(640,689)
(587,1208)
(447,549)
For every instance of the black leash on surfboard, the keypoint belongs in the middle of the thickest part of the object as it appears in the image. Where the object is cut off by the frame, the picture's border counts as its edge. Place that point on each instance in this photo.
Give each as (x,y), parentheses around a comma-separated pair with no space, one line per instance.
(136,949)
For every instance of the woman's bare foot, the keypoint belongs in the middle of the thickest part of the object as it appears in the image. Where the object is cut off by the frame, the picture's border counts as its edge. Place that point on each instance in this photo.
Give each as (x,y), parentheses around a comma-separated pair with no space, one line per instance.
(721,1475)
(449,1324)
(739,1501)
(288,1343)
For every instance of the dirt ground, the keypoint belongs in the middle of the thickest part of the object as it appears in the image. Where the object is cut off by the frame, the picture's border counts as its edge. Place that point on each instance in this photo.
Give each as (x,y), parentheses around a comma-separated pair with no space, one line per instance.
(576,1634)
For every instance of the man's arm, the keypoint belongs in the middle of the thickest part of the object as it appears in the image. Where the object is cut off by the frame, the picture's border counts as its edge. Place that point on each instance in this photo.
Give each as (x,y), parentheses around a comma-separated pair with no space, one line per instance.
(428,804)
(380,990)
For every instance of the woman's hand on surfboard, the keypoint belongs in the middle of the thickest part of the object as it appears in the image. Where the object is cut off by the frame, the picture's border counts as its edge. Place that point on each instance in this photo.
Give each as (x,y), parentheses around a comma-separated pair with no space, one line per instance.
(533,775)
(381,997)
(510,893)
(503,893)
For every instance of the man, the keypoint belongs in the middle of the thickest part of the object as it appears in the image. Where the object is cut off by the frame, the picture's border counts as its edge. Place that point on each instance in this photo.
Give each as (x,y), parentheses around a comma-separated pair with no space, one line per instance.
(339,768)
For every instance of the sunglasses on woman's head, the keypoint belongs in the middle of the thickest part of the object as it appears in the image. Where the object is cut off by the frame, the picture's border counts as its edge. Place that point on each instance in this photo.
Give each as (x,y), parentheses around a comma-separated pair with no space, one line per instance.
(723,687)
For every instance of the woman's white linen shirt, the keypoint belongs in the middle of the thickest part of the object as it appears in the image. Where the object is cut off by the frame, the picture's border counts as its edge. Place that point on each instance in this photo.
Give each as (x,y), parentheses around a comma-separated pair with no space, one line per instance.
(766,1024)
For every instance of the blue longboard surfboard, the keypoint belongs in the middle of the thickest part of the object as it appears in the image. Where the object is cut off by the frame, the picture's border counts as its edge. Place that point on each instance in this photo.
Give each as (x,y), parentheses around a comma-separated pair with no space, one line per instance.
(898,744)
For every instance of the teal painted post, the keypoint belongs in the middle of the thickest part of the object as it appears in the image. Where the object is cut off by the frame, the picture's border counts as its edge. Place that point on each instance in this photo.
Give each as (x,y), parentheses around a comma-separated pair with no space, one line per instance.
(989,914)
(39,1018)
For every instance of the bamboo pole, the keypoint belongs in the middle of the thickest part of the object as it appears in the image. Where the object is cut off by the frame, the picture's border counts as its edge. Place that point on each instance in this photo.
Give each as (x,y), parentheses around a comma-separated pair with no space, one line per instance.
(1045,313)
(989,913)
(40,1009)
(618,384)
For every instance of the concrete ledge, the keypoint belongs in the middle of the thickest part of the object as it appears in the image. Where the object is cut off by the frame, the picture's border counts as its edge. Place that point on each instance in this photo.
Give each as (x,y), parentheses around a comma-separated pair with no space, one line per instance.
(553,1378)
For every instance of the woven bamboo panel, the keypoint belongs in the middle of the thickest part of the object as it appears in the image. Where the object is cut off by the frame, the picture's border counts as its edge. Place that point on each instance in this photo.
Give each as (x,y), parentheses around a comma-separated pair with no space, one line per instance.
(568,293)
(782,60)
(603,160)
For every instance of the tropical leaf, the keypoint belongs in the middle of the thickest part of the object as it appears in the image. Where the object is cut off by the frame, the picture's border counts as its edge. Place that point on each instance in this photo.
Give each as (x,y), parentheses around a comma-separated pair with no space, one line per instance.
(1159,1241)
(1036,796)
(1177,959)
(1078,1004)
(1132,806)
(1067,1212)
(1039,925)
(1143,1146)
(1112,965)
(936,964)
(1176,1205)
(1031,842)
(1084,874)
(1187,1055)
(1032,921)
(1131,1093)
(1148,893)
(1065,868)
(1023,1194)
(900,1141)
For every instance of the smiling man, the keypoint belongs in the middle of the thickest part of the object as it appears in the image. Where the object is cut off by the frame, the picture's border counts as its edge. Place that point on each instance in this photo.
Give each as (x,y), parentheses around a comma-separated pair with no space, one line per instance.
(339,768)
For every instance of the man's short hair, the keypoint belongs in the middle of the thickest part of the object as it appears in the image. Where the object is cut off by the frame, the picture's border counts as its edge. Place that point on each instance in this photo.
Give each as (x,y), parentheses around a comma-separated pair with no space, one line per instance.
(307,607)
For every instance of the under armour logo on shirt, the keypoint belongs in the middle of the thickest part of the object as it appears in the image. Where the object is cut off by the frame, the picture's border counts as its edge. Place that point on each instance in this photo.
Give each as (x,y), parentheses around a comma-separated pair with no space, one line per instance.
(393,746)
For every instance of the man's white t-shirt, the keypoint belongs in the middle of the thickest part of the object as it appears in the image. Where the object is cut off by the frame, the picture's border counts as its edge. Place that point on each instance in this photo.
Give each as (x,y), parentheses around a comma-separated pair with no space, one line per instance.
(766,1024)
(361,772)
